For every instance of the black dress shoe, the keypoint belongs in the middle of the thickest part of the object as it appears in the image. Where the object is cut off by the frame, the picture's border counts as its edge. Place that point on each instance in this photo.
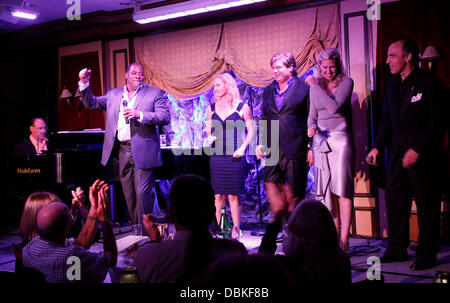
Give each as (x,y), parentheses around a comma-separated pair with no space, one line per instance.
(268,242)
(389,258)
(423,264)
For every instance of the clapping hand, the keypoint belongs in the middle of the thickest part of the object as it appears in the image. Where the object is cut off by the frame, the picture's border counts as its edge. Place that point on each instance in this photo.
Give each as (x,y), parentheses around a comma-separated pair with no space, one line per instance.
(103,207)
(151,227)
(78,202)
(99,200)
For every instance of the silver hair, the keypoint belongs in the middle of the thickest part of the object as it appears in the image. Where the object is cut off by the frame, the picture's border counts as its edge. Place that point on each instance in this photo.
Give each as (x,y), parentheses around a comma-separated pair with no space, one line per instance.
(331,54)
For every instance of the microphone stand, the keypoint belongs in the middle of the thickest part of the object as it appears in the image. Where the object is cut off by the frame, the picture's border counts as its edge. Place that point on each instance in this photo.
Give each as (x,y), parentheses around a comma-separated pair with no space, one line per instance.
(261,226)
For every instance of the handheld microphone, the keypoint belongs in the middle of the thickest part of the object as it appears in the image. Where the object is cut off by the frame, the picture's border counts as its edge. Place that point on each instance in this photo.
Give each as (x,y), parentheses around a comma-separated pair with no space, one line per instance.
(369,159)
(125,104)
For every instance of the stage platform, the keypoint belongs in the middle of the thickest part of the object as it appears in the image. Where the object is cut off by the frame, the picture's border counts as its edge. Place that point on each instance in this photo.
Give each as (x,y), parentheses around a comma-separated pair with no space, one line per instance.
(360,250)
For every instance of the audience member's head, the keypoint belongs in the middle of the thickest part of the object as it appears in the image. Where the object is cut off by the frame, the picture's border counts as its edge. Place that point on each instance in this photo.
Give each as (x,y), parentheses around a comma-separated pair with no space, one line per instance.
(310,226)
(53,222)
(32,206)
(311,245)
(191,202)
(192,208)
(248,269)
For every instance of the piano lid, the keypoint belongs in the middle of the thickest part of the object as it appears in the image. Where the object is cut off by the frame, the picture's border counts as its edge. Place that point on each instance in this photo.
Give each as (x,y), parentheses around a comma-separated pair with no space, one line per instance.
(84,131)
(77,139)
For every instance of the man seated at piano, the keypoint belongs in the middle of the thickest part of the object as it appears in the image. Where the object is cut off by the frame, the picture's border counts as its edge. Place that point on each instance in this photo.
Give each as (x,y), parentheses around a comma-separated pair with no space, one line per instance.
(36,142)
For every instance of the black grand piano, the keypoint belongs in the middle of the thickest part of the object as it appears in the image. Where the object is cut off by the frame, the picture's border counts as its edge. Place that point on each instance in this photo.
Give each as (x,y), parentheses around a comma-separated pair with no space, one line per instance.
(74,160)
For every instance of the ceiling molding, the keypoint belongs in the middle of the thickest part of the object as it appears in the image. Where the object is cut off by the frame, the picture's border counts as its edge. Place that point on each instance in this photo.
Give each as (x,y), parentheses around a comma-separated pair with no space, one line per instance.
(119,24)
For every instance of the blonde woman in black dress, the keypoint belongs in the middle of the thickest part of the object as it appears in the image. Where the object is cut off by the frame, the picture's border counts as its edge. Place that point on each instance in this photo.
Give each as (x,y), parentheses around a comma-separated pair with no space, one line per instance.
(228,165)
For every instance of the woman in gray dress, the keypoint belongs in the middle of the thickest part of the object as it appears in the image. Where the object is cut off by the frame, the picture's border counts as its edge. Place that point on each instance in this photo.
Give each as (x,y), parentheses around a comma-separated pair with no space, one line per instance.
(329,123)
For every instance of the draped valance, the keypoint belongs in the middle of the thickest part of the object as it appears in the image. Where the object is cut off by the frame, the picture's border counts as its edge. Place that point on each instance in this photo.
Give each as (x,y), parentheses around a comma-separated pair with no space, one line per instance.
(184,62)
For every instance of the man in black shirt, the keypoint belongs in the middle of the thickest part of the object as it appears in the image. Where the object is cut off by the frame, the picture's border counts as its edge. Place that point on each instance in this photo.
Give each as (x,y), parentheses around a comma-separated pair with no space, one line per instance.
(412,124)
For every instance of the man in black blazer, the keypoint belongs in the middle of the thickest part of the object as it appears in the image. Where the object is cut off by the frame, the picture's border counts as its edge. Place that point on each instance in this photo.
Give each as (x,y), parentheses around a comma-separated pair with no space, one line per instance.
(412,124)
(285,101)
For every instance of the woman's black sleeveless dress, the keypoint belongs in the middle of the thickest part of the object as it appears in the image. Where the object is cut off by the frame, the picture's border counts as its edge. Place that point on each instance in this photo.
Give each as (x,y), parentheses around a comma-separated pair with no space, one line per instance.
(227,173)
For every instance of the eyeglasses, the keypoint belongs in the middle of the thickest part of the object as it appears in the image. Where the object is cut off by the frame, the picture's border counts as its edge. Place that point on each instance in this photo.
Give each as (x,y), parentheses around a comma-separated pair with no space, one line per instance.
(137,74)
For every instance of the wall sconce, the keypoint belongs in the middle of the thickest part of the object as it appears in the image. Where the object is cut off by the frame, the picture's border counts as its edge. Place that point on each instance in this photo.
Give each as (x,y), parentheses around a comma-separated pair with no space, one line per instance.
(429,57)
(65,94)
(430,53)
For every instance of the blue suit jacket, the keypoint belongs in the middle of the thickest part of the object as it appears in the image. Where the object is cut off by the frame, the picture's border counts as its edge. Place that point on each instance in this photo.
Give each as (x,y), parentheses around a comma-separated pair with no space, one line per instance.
(152,102)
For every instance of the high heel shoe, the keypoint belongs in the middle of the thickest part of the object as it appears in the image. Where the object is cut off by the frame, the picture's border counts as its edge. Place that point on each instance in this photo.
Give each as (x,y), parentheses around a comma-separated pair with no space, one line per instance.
(236,233)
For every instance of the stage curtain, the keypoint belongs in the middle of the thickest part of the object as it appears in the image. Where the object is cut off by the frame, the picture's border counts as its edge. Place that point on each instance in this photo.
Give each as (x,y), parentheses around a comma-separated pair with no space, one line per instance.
(183,63)
(249,44)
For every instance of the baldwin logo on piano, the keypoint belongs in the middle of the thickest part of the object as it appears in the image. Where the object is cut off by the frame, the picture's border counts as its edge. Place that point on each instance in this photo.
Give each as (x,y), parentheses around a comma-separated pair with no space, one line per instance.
(28,171)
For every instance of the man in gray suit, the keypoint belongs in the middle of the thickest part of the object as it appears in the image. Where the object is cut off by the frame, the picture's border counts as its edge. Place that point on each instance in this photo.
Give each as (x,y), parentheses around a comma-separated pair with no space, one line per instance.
(132,113)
